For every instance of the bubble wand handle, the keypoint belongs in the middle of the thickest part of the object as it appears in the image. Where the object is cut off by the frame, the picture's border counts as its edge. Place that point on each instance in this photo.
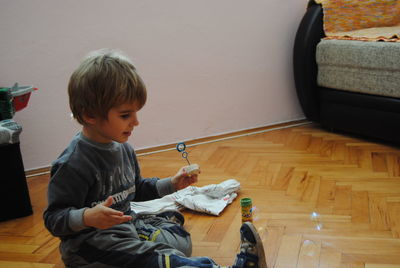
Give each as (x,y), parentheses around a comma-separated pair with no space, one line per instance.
(185,155)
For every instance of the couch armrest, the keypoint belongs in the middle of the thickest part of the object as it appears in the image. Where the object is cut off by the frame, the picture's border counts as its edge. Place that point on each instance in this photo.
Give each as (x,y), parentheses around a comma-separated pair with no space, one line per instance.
(308,35)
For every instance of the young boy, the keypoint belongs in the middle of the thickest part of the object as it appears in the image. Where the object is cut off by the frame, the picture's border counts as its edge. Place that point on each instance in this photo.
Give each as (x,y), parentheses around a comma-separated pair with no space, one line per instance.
(97,176)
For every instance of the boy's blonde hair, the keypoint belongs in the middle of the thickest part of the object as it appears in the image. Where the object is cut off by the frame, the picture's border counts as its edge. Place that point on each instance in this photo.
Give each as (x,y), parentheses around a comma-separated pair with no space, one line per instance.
(105,78)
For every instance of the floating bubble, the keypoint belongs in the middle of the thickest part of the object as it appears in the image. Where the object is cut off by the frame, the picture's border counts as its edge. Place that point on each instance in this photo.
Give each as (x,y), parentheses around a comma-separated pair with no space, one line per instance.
(308,248)
(256,216)
(318,226)
(314,215)
(316,219)
(260,224)
(262,231)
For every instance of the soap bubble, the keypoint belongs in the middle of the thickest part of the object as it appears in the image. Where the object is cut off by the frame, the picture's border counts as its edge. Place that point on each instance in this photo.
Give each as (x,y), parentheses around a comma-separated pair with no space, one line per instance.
(263,232)
(256,216)
(309,248)
(260,223)
(316,219)
(314,215)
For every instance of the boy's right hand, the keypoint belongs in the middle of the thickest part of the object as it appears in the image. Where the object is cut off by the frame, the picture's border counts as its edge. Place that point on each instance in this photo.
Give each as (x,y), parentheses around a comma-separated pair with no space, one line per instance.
(102,216)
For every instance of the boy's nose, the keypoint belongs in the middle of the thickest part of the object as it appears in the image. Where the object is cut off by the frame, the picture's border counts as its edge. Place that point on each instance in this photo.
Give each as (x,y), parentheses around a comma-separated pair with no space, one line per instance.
(134,122)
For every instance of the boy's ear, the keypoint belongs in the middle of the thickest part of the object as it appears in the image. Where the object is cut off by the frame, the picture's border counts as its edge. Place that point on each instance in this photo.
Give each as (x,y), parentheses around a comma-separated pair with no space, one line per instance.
(89,119)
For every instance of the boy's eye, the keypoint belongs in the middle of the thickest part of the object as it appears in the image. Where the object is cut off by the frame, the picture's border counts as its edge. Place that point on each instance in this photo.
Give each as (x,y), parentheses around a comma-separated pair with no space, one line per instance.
(124,116)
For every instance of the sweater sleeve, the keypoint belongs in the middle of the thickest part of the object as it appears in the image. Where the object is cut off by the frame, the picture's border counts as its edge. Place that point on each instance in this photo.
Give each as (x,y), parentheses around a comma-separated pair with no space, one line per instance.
(66,197)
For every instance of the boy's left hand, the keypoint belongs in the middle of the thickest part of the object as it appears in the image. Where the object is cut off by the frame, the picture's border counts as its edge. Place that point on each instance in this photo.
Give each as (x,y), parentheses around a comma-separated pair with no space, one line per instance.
(182,179)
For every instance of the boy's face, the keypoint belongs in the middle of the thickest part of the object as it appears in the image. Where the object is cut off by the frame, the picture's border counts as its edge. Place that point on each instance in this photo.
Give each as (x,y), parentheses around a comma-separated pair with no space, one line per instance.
(118,127)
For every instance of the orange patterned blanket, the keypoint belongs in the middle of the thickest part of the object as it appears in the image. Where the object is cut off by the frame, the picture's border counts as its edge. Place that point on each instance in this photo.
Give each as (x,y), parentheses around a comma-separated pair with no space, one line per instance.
(366,20)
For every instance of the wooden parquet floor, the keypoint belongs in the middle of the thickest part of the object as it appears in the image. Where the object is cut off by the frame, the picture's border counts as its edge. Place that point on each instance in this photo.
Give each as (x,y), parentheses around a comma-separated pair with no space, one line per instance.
(351,185)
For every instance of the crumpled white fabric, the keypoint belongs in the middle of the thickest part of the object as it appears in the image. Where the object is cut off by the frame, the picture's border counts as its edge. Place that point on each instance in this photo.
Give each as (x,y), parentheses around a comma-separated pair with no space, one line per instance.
(210,199)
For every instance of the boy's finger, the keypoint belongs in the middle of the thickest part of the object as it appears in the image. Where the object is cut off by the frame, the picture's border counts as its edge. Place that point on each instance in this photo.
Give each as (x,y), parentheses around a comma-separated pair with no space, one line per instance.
(113,212)
(109,201)
(184,173)
(122,218)
(126,218)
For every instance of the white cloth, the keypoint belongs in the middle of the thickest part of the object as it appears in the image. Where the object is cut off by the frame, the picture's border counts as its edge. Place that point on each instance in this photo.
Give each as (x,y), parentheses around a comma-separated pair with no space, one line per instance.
(210,199)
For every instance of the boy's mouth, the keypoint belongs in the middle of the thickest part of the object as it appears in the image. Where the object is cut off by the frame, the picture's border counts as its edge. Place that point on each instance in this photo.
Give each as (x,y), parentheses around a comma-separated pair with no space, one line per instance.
(127,133)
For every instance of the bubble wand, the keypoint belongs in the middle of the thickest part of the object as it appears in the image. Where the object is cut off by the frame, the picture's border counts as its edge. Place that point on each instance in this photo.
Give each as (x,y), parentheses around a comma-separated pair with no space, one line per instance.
(191,169)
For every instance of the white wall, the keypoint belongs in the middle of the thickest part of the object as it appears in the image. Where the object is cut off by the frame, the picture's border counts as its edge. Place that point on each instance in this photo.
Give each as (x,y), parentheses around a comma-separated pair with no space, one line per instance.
(210,66)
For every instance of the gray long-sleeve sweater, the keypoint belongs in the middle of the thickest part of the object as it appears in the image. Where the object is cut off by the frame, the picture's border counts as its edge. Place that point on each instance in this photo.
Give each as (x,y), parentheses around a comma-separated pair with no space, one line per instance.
(85,174)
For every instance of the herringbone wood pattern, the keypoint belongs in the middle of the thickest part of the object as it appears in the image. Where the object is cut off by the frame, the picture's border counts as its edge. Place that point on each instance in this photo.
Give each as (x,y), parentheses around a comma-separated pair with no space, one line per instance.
(353,184)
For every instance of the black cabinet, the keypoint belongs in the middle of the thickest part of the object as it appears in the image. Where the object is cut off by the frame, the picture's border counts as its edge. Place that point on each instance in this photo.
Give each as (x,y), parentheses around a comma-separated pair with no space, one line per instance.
(14,198)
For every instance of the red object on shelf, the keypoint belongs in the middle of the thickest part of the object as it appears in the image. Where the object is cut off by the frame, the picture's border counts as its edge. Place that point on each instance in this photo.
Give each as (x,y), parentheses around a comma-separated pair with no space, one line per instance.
(20,101)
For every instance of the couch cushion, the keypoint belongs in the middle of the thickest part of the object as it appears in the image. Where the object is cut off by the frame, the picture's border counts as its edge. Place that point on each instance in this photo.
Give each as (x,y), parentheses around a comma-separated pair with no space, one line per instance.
(365,67)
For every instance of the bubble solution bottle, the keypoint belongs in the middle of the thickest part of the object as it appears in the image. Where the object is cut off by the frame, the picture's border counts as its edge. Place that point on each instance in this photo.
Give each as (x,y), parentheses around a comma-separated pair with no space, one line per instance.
(247,209)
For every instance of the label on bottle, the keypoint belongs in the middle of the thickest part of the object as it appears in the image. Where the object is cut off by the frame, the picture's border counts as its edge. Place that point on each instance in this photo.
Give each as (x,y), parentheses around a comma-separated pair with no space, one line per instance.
(247,209)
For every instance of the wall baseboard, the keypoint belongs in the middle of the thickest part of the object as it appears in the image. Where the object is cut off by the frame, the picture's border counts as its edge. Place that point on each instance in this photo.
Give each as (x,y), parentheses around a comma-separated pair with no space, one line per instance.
(223,136)
(198,141)
(37,171)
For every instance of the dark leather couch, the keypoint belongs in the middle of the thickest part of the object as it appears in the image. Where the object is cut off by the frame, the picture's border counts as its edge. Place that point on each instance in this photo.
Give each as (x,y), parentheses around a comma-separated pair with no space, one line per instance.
(367,115)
